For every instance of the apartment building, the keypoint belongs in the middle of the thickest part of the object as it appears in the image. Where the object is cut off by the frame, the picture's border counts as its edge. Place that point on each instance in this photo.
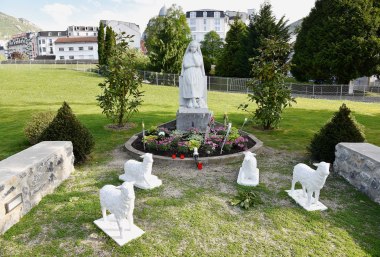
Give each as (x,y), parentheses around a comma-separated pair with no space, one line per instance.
(76,48)
(128,28)
(46,42)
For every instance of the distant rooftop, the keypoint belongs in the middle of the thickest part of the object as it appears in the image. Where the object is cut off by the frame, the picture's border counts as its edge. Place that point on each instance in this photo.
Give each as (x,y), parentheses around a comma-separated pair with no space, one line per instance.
(64,40)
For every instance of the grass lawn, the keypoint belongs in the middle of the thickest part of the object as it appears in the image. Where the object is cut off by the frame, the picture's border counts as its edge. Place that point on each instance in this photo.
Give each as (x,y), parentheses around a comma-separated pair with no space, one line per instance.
(189,214)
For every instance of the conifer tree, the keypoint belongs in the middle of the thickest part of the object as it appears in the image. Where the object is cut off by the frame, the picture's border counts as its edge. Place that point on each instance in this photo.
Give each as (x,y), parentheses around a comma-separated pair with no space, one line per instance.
(66,127)
(110,43)
(338,41)
(231,61)
(342,128)
(101,42)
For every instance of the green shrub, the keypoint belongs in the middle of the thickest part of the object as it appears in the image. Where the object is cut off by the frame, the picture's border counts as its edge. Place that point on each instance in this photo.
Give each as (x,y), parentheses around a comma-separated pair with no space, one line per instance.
(39,122)
(246,199)
(342,128)
(66,127)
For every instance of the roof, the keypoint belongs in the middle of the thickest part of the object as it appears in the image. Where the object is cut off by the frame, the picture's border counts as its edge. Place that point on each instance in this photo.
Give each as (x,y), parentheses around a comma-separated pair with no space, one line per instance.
(52,33)
(64,40)
(210,13)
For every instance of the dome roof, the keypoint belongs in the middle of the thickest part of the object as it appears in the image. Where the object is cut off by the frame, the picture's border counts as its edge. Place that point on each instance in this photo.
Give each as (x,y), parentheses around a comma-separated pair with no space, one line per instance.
(163,11)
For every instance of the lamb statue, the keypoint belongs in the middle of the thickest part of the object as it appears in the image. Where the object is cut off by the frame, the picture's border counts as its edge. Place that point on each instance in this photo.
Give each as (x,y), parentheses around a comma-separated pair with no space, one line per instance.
(120,201)
(141,173)
(248,173)
(311,180)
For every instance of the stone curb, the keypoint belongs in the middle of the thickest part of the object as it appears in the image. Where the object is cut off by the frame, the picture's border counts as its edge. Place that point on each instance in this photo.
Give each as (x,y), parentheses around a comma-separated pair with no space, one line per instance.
(223,159)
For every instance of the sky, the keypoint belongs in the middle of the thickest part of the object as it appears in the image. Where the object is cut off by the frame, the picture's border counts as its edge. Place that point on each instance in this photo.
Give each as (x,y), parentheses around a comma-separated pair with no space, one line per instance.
(59,14)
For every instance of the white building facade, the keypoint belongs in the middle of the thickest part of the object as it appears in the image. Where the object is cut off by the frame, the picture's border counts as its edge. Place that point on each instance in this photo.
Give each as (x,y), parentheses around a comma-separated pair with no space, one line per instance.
(82,31)
(128,28)
(76,48)
(46,42)
(205,20)
(24,43)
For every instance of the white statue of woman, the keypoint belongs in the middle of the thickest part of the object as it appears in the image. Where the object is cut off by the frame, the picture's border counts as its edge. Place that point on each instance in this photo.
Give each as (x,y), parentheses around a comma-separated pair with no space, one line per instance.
(192,83)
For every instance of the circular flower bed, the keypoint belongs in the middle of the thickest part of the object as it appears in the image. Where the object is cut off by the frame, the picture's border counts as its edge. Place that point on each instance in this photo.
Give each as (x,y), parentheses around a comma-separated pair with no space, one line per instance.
(166,141)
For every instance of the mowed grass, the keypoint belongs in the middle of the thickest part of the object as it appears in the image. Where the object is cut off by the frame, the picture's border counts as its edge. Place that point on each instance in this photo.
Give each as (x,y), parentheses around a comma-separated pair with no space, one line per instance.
(190,214)
(25,90)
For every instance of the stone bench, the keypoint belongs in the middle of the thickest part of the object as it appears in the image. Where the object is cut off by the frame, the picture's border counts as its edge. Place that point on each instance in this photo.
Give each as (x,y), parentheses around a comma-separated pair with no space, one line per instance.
(29,175)
(359,164)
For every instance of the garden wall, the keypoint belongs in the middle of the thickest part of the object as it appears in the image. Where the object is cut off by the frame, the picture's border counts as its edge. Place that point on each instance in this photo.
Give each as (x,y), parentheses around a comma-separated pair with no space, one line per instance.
(29,175)
(359,164)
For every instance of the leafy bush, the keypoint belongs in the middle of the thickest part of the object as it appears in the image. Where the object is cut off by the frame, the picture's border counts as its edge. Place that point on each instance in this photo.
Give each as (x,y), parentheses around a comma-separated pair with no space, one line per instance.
(39,122)
(66,127)
(196,137)
(342,128)
(246,199)
(194,143)
(234,134)
(183,147)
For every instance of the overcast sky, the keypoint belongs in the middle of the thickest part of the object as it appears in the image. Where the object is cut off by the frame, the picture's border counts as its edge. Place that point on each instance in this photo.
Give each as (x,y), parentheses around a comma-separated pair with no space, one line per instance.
(58,15)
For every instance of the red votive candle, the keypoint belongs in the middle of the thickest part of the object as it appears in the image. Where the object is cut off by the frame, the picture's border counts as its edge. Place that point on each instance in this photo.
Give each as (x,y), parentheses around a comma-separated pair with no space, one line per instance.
(182,156)
(200,165)
(174,156)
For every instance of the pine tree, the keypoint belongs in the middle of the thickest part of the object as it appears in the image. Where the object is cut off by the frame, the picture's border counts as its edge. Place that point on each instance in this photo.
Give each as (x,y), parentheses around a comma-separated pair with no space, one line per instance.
(263,25)
(342,128)
(101,42)
(66,127)
(231,61)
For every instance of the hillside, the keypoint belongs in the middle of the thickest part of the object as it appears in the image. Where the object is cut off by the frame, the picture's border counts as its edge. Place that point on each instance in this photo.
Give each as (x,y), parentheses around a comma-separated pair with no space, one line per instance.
(10,26)
(295,25)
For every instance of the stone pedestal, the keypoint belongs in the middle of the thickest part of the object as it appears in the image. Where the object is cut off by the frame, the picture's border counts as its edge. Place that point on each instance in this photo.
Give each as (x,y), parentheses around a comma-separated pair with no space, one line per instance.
(254,181)
(192,118)
(111,228)
(302,200)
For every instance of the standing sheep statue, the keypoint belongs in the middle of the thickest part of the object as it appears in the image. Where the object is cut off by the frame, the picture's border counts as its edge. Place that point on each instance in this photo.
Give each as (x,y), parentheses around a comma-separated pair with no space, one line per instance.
(248,173)
(141,173)
(312,182)
(120,202)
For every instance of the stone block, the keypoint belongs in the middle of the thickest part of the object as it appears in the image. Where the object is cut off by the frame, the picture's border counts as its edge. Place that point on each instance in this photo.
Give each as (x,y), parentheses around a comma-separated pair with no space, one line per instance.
(26,177)
(192,118)
(359,164)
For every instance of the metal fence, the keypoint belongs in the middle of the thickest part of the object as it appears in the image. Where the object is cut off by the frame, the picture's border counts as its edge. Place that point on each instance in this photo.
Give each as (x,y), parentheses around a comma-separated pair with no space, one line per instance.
(239,85)
(236,85)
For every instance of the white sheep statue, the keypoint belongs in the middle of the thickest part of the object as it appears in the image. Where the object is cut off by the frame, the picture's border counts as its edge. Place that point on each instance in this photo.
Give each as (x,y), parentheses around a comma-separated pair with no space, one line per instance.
(311,180)
(141,172)
(248,173)
(120,201)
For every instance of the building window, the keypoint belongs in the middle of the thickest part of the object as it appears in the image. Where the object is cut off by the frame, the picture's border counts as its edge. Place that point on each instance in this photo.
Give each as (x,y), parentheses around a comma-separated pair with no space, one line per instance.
(43,41)
(69,33)
(77,33)
(71,57)
(194,37)
(39,41)
(50,41)
(71,48)
(216,14)
(62,57)
(217,24)
(61,49)
(90,48)
(193,29)
(95,34)
(81,48)
(192,22)
(43,49)
(193,14)
(204,14)
(51,50)
(49,34)
(59,33)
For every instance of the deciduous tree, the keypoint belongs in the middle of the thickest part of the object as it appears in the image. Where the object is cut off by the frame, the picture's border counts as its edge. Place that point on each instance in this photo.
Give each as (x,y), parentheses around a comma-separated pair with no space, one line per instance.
(268,87)
(121,95)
